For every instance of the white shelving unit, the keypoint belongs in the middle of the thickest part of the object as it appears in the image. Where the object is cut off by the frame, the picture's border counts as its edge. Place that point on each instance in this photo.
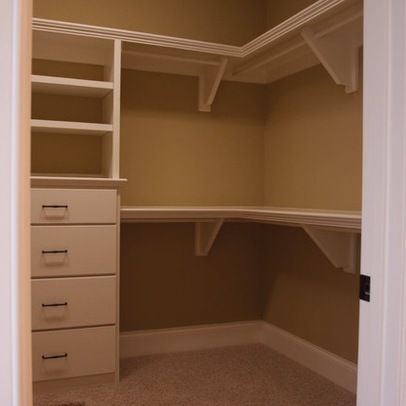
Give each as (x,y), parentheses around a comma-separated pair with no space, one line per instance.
(334,232)
(77,206)
(328,32)
(103,52)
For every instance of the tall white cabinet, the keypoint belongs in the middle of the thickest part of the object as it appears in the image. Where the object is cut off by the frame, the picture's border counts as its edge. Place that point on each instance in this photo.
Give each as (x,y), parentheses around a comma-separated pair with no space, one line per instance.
(75,216)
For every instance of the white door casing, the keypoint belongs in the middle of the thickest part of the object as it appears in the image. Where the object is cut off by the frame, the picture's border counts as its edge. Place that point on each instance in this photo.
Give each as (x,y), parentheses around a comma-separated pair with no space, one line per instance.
(382,338)
(15,104)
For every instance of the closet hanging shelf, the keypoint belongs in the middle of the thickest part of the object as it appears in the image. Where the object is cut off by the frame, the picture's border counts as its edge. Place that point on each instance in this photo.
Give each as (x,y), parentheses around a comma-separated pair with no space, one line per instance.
(334,232)
(327,32)
(338,220)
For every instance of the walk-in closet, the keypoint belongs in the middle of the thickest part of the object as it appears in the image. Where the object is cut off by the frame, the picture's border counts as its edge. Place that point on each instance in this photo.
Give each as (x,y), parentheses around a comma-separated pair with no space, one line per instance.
(196,199)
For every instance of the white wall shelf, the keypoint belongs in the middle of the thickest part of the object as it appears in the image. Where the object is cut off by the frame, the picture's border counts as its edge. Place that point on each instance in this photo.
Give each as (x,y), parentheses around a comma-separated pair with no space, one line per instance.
(338,220)
(334,232)
(70,86)
(76,182)
(69,127)
(304,40)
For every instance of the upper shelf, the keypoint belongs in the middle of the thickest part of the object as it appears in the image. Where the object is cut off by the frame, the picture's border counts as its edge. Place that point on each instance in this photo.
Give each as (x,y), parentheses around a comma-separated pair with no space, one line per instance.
(340,220)
(69,127)
(70,86)
(327,32)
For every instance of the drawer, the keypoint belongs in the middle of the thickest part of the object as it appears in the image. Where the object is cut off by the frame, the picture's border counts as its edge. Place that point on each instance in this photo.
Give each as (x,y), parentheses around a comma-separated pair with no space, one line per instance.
(70,353)
(73,302)
(78,206)
(73,250)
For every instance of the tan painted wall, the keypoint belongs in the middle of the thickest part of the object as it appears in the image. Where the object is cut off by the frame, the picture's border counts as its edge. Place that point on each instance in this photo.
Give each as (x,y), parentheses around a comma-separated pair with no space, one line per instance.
(278,11)
(313,157)
(164,285)
(174,155)
(313,143)
(305,295)
(224,21)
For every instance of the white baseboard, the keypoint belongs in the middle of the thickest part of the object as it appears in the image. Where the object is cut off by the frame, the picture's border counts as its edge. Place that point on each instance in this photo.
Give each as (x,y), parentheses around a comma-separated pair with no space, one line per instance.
(330,366)
(336,369)
(133,344)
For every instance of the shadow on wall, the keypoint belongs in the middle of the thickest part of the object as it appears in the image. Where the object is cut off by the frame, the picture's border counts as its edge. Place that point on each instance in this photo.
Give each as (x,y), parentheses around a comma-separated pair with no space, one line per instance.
(163,284)
(303,293)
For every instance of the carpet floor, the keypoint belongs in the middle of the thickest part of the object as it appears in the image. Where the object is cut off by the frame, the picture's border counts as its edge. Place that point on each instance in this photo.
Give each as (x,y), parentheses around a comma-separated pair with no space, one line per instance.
(250,375)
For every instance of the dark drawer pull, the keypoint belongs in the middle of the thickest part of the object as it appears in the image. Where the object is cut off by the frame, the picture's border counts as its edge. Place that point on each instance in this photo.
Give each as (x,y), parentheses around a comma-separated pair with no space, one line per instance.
(54,304)
(54,251)
(55,206)
(55,356)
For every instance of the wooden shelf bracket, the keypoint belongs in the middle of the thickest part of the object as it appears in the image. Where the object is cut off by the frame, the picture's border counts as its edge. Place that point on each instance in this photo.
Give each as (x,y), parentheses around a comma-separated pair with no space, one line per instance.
(340,247)
(338,54)
(205,236)
(209,82)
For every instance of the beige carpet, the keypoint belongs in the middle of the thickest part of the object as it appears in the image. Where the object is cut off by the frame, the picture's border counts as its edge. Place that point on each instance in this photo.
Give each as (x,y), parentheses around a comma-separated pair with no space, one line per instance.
(246,375)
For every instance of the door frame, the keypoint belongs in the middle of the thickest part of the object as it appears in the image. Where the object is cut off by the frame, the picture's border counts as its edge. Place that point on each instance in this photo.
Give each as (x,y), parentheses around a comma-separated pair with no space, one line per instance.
(15,112)
(382,334)
(382,338)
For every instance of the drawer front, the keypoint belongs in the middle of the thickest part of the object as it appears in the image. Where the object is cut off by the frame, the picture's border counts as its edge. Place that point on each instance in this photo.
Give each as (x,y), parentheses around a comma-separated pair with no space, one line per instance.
(73,250)
(73,302)
(70,353)
(73,206)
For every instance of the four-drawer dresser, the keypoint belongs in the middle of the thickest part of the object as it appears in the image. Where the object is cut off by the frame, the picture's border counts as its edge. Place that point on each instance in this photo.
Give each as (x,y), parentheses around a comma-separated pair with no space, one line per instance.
(74,262)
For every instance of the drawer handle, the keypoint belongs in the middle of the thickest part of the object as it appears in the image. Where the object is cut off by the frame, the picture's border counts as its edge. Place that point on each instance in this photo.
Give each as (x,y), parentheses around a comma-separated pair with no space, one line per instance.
(54,252)
(55,356)
(54,304)
(55,206)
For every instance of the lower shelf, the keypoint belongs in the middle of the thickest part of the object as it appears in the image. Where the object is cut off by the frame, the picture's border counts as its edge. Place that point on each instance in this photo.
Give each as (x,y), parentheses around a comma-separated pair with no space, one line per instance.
(334,232)
(343,220)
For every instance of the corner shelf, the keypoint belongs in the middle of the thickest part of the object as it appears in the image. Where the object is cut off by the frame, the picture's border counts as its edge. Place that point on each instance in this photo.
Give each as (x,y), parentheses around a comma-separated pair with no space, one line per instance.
(339,220)
(334,232)
(70,86)
(328,32)
(70,127)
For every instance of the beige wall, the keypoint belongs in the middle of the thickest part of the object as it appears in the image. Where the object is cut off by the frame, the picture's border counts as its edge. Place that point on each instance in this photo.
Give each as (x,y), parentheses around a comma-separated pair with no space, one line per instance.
(305,295)
(278,11)
(313,143)
(164,285)
(224,21)
(174,155)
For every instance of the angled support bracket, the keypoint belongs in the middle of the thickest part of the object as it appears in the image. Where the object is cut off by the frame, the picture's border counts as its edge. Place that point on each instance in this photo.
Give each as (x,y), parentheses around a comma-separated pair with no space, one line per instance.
(209,82)
(205,235)
(339,247)
(339,55)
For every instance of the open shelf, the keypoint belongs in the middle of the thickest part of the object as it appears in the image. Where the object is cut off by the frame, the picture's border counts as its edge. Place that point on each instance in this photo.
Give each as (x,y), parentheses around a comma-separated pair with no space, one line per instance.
(70,86)
(340,220)
(76,182)
(334,232)
(70,127)
(328,32)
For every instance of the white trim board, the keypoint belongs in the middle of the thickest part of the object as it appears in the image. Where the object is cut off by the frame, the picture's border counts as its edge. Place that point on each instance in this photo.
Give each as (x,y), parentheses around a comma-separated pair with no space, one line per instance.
(325,363)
